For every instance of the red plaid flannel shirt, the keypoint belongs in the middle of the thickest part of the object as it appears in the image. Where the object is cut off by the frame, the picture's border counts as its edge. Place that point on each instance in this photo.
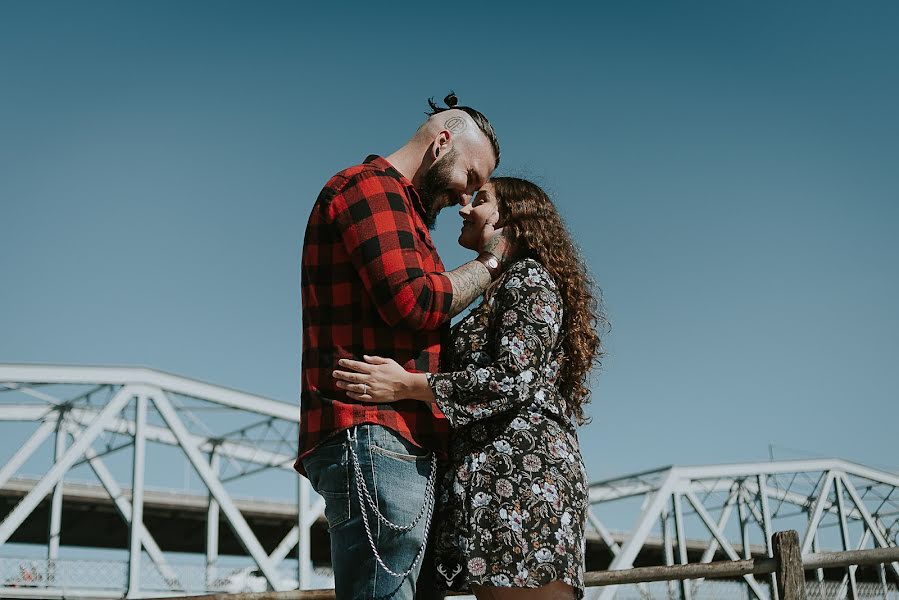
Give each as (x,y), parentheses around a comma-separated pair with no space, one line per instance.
(372,283)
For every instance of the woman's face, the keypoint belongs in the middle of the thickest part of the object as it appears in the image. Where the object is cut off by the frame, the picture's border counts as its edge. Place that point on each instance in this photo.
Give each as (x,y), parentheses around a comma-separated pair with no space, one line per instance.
(481,212)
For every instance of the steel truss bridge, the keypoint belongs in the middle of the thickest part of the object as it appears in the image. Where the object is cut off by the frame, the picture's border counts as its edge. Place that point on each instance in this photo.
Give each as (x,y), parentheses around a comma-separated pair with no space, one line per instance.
(80,474)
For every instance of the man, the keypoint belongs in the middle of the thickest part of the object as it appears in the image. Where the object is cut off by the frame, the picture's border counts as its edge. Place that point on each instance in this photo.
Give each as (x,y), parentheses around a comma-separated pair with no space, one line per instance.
(373,284)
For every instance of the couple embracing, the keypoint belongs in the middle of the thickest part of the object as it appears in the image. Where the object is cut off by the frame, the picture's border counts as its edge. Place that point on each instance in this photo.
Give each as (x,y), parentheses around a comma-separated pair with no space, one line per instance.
(460,442)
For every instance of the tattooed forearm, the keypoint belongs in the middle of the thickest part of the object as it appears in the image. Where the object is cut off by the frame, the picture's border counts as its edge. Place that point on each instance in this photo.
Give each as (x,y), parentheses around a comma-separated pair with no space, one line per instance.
(469,281)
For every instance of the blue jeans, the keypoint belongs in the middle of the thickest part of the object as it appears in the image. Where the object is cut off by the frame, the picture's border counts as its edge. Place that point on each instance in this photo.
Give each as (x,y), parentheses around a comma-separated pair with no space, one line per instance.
(396,473)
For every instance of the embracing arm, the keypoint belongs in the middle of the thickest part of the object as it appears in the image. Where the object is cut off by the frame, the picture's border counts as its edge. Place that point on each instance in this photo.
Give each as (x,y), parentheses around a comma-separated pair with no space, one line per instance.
(525,331)
(529,314)
(373,220)
(378,232)
(473,278)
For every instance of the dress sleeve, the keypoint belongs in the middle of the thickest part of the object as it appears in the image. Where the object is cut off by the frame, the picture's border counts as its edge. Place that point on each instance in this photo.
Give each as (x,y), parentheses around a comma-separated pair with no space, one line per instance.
(527,319)
(378,231)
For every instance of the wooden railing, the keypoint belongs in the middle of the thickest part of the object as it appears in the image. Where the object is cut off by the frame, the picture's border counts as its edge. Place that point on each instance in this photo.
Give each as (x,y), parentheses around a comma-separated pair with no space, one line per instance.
(788,565)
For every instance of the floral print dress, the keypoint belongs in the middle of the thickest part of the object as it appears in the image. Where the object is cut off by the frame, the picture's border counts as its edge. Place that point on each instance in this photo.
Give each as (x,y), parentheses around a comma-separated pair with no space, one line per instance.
(514,499)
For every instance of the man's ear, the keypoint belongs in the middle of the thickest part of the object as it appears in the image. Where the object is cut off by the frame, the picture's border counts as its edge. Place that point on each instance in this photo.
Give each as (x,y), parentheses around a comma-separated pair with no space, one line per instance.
(443,143)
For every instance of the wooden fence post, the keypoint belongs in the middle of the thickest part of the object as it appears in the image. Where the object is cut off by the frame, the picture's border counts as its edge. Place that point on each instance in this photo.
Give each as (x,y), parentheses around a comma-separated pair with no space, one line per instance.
(790,576)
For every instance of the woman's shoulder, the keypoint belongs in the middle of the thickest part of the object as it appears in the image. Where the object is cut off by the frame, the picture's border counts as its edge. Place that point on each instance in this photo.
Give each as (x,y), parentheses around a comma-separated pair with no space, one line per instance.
(528,272)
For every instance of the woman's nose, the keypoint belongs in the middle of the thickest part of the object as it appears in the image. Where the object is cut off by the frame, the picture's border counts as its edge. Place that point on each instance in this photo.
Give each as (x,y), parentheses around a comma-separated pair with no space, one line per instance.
(466,208)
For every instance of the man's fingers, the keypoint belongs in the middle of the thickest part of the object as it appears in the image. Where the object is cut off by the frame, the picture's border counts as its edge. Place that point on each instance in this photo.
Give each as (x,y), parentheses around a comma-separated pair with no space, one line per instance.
(376,360)
(349,376)
(355,365)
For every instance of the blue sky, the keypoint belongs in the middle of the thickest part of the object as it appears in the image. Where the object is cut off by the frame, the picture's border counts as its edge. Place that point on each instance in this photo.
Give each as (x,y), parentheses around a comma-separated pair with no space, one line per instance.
(728,168)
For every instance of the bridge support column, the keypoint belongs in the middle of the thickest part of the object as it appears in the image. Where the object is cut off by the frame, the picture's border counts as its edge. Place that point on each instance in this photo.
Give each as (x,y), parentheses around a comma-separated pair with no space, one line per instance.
(56,503)
(137,497)
(212,526)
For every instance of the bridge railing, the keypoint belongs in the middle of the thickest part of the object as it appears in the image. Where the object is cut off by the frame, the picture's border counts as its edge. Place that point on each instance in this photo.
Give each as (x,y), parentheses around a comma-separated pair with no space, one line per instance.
(787,565)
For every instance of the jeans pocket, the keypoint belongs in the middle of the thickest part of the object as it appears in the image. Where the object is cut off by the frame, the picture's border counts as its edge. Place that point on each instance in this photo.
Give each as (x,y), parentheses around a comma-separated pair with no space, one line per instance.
(337,508)
(394,454)
(328,471)
(401,481)
(387,442)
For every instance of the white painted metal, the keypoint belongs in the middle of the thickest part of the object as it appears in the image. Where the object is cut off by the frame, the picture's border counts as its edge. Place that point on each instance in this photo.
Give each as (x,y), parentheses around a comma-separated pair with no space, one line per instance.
(56,499)
(304,535)
(722,540)
(765,493)
(150,377)
(631,548)
(56,472)
(709,553)
(230,449)
(212,524)
(238,523)
(124,507)
(137,498)
(685,587)
(823,496)
(873,527)
(844,533)
(767,529)
(668,543)
(26,412)
(26,450)
(604,533)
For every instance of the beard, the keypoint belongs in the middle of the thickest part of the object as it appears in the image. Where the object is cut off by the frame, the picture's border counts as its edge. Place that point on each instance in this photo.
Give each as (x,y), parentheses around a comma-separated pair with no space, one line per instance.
(434,189)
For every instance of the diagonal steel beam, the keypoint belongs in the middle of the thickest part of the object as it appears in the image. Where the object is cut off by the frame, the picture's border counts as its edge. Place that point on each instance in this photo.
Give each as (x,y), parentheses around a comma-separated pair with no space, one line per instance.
(870,521)
(649,516)
(24,453)
(59,468)
(709,552)
(817,512)
(287,544)
(124,507)
(235,518)
(230,449)
(33,393)
(722,539)
(226,448)
(604,533)
(293,536)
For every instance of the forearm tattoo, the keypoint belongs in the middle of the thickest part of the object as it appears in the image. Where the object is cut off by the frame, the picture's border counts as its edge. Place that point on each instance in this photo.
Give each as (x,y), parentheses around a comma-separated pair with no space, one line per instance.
(469,281)
(500,247)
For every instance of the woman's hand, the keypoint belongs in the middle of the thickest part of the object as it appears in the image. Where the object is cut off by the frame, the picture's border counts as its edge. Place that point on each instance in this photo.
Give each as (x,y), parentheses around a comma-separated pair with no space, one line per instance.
(377,380)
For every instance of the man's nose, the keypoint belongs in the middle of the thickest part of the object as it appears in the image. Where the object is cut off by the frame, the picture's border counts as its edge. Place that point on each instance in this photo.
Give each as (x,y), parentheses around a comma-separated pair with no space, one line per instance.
(465,199)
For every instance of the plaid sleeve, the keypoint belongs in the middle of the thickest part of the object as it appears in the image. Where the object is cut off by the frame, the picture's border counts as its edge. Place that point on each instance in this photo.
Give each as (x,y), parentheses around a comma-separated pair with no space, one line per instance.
(375,222)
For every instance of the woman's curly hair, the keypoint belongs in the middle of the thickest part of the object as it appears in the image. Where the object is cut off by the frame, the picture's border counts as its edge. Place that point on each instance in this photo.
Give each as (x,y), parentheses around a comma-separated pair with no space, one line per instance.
(531,221)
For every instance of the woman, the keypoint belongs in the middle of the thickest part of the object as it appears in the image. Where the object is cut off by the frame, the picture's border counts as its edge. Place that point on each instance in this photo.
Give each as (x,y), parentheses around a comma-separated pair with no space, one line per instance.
(513,503)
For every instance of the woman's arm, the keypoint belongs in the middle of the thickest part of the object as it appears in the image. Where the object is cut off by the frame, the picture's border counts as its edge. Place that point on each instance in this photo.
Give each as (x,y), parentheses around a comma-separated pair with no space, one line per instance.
(525,331)
(529,314)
